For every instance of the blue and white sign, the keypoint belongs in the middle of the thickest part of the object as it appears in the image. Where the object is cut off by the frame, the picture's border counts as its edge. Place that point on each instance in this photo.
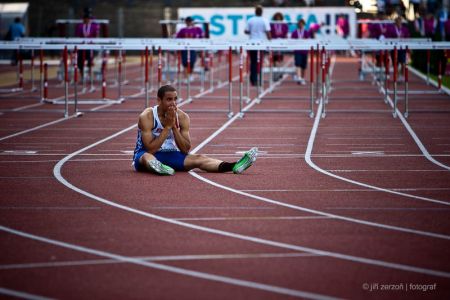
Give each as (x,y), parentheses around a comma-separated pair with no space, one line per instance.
(230,22)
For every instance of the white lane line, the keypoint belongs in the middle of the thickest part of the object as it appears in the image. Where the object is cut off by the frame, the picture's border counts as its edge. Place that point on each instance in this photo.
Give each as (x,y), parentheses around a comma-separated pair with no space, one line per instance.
(49,208)
(368,145)
(88,262)
(415,137)
(26,177)
(27,106)
(384,264)
(363,138)
(182,271)
(343,190)
(391,208)
(308,160)
(322,213)
(386,170)
(263,156)
(209,207)
(317,168)
(253,218)
(36,128)
(22,295)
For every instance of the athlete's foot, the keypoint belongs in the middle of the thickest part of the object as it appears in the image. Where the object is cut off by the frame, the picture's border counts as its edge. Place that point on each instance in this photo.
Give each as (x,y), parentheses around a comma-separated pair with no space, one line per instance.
(246,161)
(159,168)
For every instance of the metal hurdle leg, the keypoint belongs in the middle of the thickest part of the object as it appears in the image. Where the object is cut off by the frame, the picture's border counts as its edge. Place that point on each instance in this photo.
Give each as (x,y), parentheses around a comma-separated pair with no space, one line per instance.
(66,84)
(395,63)
(119,76)
(188,75)
(75,80)
(20,64)
(211,70)
(406,113)
(143,70)
(323,83)
(202,74)
(428,67)
(33,88)
(317,73)
(91,71)
(247,63)
(230,83)
(311,79)
(41,71)
(271,70)
(258,80)
(146,78)
(159,66)
(386,74)
(179,73)
(151,69)
(241,82)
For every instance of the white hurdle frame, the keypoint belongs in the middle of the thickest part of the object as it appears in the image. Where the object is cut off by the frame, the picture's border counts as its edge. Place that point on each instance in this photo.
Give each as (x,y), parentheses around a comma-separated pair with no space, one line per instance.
(103,44)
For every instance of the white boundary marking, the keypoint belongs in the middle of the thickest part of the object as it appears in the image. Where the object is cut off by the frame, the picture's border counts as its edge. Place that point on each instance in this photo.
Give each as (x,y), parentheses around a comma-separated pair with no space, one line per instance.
(36,128)
(22,295)
(416,138)
(317,168)
(182,271)
(57,173)
(59,177)
(154,258)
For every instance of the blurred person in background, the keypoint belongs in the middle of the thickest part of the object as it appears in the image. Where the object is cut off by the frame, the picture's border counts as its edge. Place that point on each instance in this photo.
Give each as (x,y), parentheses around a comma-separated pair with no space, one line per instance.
(278,30)
(258,28)
(189,32)
(86,30)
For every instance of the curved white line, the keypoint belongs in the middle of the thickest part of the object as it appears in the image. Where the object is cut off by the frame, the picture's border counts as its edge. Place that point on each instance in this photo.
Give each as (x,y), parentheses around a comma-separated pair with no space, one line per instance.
(309,161)
(182,271)
(317,168)
(414,136)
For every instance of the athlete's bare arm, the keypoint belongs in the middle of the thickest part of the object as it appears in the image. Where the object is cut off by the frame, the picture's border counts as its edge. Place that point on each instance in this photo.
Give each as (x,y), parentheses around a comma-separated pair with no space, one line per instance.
(181,134)
(146,125)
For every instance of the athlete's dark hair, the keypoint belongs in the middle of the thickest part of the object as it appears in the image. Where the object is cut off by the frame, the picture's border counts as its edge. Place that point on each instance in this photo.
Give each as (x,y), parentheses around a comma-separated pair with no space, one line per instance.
(165,88)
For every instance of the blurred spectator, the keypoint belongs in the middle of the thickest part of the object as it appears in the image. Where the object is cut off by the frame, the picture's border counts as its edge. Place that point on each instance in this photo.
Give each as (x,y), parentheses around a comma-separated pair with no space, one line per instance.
(279,30)
(16,30)
(342,26)
(430,25)
(189,32)
(442,18)
(301,56)
(378,30)
(258,28)
(87,29)
(398,31)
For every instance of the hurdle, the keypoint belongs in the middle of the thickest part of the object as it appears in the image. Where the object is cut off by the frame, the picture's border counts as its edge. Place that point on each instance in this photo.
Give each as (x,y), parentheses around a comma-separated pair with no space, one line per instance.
(204,45)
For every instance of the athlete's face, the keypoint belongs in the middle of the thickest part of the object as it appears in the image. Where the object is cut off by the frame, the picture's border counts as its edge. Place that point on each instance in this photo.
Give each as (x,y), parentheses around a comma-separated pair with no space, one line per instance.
(169,101)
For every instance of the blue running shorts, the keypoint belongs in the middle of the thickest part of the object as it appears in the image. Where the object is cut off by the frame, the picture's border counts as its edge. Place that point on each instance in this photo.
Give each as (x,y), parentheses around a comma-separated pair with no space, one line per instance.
(173,159)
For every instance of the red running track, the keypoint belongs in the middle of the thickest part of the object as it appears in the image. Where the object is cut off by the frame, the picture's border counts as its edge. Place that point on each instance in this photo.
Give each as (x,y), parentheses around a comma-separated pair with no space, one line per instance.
(346,206)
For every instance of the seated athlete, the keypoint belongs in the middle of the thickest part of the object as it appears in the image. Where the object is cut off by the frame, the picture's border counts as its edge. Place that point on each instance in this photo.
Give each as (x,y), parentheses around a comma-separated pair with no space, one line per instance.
(163,141)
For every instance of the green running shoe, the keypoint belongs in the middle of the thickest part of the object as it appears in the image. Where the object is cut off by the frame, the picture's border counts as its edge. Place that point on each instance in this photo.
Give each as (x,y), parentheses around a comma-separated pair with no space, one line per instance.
(159,168)
(246,161)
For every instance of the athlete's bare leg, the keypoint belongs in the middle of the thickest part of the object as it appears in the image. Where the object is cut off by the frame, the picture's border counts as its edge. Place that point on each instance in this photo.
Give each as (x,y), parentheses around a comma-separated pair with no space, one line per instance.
(202,162)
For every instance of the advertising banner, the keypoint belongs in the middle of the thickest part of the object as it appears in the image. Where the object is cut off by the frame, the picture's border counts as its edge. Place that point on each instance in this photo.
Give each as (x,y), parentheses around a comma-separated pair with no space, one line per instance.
(230,23)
